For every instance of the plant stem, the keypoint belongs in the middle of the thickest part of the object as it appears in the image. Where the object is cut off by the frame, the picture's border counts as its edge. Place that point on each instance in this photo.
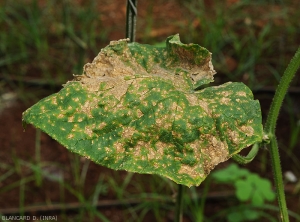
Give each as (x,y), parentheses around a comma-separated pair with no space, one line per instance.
(270,130)
(275,160)
(179,205)
(38,175)
(247,159)
(203,198)
(281,90)
(131,14)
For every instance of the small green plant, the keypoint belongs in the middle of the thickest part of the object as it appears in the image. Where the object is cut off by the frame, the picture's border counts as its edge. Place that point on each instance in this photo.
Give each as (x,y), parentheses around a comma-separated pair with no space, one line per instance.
(249,187)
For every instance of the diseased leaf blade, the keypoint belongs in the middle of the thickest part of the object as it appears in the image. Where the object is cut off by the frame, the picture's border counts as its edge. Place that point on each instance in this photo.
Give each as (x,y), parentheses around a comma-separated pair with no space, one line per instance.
(135,109)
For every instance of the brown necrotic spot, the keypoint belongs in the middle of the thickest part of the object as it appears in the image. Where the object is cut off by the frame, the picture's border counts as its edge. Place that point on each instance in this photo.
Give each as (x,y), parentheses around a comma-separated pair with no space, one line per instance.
(70,136)
(139,113)
(248,130)
(89,130)
(241,93)
(234,136)
(43,109)
(60,115)
(76,99)
(214,152)
(87,107)
(70,119)
(164,121)
(102,125)
(128,132)
(119,147)
(54,100)
(191,171)
(159,148)
(225,100)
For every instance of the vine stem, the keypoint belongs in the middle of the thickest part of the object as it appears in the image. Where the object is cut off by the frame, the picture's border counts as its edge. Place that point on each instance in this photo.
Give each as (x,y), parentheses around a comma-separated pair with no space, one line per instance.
(179,203)
(270,131)
(131,14)
(38,157)
(247,159)
(281,90)
(275,160)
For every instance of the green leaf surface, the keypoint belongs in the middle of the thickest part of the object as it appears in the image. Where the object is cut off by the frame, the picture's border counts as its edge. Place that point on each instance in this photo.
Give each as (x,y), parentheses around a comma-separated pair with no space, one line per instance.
(230,174)
(243,215)
(244,190)
(254,188)
(136,108)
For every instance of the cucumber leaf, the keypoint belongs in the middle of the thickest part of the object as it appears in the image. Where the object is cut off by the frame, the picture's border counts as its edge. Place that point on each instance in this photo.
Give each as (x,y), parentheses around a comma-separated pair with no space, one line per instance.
(137,108)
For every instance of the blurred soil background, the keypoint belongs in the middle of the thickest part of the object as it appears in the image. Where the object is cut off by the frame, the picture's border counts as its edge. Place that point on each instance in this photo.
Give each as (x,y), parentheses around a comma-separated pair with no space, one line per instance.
(43,43)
